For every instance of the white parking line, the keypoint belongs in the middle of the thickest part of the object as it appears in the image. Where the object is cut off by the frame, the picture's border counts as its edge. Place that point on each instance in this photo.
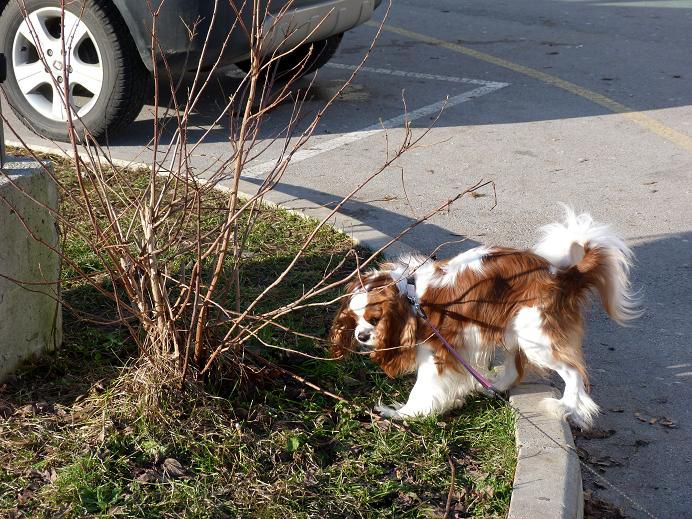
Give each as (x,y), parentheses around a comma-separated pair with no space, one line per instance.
(348,138)
(415,75)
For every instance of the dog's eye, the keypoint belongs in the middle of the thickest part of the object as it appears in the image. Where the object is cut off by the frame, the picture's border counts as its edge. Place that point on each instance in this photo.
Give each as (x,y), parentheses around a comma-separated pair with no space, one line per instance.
(374,320)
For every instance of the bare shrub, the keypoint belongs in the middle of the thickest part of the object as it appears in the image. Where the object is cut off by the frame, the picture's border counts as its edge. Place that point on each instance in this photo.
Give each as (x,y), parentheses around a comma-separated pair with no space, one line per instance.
(176,272)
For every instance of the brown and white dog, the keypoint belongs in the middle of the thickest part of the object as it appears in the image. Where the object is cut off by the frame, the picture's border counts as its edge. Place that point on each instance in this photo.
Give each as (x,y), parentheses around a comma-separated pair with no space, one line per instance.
(528,302)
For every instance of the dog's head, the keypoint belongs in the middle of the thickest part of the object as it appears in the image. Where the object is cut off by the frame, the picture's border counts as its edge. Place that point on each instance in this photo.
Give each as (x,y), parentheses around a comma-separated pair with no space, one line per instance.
(376,318)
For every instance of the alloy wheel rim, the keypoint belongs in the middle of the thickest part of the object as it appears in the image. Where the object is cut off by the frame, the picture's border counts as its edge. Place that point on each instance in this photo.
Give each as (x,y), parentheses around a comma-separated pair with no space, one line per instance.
(41,71)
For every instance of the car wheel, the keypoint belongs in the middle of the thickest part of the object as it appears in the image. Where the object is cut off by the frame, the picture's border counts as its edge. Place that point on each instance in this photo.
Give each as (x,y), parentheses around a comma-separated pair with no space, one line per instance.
(319,52)
(106,77)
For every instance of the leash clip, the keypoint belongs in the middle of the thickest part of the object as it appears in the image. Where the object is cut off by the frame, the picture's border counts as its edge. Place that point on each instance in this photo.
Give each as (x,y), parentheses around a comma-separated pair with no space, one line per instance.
(412,297)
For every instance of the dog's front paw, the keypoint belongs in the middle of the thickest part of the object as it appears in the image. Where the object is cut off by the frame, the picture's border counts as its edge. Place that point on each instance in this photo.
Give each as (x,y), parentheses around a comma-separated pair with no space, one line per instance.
(389,412)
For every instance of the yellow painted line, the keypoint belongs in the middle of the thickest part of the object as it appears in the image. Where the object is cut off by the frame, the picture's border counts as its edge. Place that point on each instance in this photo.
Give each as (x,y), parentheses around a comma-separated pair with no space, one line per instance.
(681,139)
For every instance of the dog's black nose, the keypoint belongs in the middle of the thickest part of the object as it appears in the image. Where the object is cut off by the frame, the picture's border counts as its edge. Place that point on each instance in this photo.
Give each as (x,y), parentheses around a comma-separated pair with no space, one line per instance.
(363,336)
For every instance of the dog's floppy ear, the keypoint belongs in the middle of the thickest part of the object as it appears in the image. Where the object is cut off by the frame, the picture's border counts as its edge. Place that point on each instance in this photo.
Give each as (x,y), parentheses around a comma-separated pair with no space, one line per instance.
(399,353)
(341,334)
(408,332)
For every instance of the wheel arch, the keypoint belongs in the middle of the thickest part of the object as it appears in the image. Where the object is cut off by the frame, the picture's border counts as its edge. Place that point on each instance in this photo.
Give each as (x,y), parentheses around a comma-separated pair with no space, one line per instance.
(137,18)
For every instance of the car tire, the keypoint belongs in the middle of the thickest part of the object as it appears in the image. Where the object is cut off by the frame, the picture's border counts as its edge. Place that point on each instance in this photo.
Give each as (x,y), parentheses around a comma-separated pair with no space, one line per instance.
(106,74)
(320,52)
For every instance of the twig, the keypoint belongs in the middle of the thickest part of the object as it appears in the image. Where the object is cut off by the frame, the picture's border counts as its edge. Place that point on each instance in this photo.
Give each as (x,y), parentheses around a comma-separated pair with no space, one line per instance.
(312,385)
(448,507)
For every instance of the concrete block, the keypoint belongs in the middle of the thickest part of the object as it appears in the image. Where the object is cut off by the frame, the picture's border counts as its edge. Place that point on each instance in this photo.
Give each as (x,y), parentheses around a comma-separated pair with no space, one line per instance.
(547,482)
(30,315)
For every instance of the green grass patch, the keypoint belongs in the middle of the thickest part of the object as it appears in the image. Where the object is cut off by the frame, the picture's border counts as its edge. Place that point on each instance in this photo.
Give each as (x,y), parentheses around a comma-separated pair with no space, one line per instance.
(72,443)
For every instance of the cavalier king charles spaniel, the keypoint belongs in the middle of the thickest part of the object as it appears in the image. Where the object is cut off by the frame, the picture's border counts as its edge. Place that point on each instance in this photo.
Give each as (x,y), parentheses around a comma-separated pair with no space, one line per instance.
(526,302)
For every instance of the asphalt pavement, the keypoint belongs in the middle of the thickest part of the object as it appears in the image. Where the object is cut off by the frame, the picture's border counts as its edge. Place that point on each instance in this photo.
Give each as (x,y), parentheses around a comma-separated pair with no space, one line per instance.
(583,102)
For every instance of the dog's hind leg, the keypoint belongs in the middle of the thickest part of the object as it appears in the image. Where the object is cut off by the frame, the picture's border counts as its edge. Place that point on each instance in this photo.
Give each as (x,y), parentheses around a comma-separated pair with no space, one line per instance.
(539,350)
(575,402)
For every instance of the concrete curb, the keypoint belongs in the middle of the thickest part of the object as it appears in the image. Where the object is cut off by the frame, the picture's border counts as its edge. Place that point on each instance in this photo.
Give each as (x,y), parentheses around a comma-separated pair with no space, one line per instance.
(547,480)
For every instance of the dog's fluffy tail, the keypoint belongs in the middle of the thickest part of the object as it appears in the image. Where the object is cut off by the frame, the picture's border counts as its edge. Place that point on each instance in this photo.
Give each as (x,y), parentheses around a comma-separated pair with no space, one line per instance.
(589,255)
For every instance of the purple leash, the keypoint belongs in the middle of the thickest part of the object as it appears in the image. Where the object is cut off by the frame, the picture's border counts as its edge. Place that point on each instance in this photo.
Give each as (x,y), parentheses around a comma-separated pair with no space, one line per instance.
(473,371)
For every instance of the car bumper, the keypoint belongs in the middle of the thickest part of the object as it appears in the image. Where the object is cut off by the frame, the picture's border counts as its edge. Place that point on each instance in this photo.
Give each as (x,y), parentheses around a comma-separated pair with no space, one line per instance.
(207,33)
(313,23)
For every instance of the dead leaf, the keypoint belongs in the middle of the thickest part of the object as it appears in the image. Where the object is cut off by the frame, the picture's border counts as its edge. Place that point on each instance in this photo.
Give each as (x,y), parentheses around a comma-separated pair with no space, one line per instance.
(149,476)
(46,476)
(594,434)
(582,453)
(26,410)
(605,461)
(408,498)
(43,407)
(172,468)
(661,420)
(667,422)
(6,409)
(60,410)
(25,496)
(595,508)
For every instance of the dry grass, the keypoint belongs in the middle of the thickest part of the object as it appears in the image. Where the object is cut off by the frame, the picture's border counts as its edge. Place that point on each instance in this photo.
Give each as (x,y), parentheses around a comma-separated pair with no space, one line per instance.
(250,443)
